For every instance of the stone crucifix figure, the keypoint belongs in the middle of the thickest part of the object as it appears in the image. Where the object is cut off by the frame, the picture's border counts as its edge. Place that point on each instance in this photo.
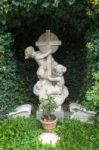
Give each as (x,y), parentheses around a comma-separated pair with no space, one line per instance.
(50,73)
(46,43)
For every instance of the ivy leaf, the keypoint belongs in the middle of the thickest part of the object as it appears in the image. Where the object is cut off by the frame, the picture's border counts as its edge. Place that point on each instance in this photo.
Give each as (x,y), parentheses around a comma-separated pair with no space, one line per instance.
(45,5)
(35,2)
(71,2)
(3,22)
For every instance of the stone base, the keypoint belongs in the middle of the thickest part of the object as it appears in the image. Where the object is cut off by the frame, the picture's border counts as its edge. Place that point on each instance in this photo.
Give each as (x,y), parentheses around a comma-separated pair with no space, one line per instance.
(49,138)
(58,114)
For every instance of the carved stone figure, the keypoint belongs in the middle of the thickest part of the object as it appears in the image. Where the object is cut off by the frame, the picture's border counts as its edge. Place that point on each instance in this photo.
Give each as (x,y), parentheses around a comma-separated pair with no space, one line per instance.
(40,58)
(50,73)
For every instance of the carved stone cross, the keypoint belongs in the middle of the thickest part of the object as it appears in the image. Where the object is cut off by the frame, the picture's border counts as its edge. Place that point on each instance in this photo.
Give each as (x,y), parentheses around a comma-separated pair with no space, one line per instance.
(48,39)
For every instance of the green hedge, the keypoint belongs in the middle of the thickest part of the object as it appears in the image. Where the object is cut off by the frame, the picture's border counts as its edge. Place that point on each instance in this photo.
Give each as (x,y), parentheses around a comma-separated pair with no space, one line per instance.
(91,100)
(14,86)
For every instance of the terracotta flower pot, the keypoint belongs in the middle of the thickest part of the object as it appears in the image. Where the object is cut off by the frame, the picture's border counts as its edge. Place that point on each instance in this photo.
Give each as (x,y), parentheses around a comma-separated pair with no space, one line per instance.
(48,125)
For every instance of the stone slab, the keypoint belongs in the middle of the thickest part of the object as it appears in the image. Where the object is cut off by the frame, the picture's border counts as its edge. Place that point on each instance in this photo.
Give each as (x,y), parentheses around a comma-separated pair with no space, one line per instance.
(21,111)
(80,113)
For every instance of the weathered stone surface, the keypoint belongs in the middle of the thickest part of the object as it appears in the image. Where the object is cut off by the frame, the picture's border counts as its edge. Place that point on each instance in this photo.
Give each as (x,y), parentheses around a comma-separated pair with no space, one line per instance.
(80,113)
(50,73)
(21,111)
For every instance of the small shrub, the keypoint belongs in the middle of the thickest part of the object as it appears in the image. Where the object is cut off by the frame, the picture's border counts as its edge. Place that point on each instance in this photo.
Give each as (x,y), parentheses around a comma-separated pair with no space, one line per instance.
(48,106)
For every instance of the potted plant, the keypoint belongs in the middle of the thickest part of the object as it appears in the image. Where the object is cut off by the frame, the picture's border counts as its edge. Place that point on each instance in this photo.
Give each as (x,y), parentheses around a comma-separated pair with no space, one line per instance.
(48,119)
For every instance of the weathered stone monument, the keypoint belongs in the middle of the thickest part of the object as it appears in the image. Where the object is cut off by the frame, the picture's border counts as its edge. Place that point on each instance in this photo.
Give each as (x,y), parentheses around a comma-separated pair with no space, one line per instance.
(50,73)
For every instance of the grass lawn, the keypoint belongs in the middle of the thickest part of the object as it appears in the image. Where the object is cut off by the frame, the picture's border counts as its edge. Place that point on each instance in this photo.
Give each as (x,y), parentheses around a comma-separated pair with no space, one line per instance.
(22,134)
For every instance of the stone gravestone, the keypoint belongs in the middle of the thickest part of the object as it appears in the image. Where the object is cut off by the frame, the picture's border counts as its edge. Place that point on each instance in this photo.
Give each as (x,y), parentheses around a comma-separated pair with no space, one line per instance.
(50,73)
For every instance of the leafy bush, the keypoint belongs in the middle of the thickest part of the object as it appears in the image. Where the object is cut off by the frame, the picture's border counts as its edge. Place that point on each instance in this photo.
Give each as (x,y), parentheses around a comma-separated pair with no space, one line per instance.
(92,94)
(14,87)
(92,81)
(22,134)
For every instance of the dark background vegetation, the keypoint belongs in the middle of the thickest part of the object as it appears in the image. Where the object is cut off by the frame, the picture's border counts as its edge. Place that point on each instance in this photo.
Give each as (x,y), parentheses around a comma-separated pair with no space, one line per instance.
(75,22)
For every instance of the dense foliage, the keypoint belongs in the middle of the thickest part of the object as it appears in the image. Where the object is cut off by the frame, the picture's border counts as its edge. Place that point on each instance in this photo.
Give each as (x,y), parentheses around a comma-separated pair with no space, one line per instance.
(92,81)
(14,88)
(22,22)
(22,134)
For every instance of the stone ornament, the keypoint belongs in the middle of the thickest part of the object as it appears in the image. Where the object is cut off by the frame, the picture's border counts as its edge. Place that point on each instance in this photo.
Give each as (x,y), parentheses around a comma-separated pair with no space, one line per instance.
(50,73)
